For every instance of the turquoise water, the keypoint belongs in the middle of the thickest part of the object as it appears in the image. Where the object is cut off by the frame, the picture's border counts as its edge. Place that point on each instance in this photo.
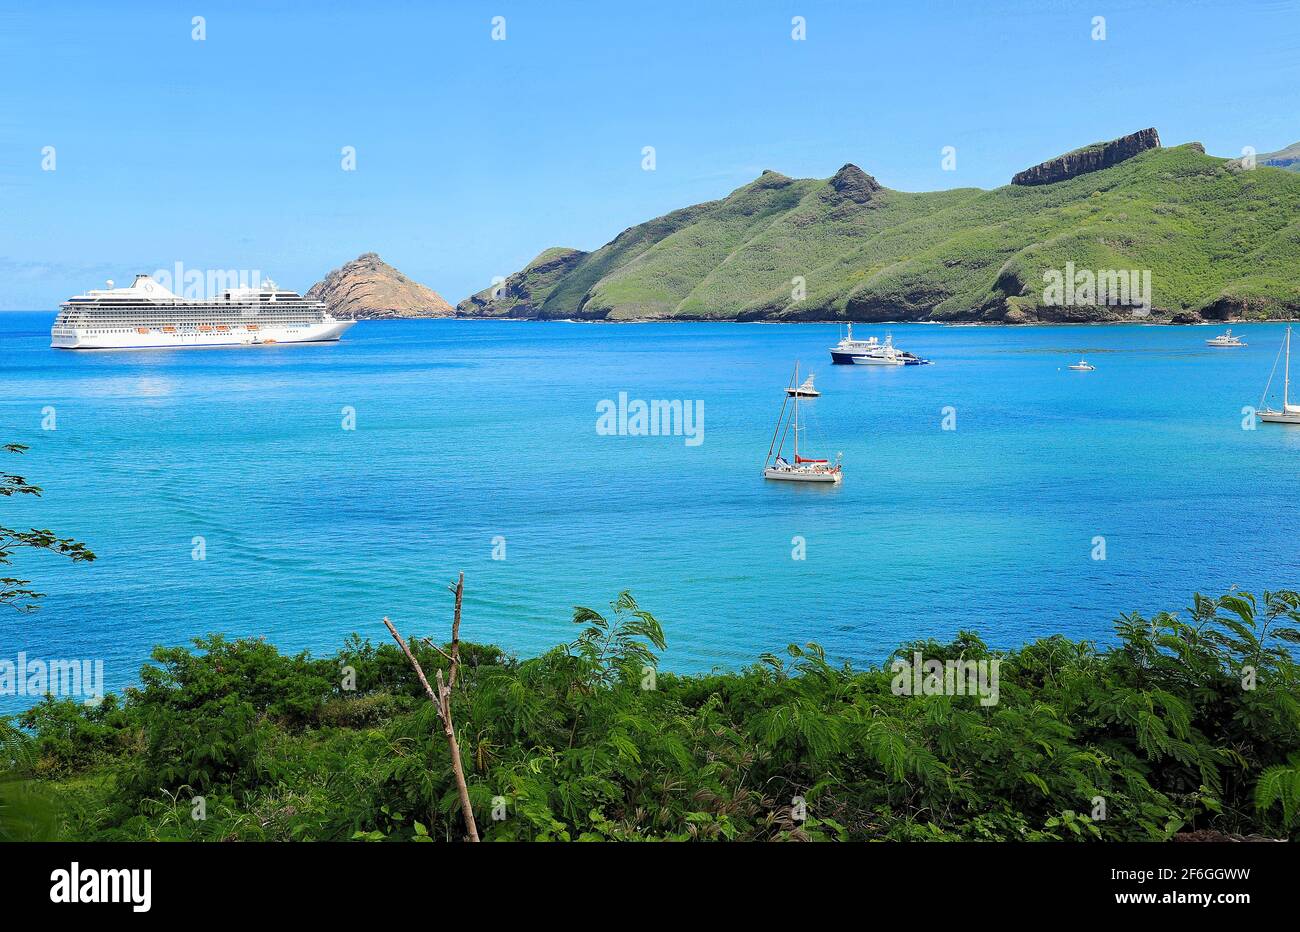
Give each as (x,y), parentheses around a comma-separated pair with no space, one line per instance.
(471,430)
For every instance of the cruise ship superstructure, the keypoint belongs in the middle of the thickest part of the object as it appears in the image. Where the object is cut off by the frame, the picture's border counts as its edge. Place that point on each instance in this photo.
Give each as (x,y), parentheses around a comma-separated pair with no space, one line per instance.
(148,315)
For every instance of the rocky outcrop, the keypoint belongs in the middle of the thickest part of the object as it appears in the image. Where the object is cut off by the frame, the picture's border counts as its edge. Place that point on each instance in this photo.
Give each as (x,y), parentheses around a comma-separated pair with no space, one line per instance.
(1089,159)
(368,287)
(523,293)
(852,183)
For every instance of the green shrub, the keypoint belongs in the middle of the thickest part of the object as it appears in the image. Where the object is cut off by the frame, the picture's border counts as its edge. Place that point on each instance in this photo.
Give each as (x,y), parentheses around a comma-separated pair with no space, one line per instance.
(1188,721)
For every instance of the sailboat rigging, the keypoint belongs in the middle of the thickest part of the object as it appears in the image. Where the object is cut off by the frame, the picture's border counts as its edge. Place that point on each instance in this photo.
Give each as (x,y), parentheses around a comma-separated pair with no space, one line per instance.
(1289,414)
(803,469)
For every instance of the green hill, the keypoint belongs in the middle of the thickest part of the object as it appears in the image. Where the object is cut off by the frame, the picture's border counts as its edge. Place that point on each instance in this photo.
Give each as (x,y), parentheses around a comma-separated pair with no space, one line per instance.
(1218,242)
(1288,158)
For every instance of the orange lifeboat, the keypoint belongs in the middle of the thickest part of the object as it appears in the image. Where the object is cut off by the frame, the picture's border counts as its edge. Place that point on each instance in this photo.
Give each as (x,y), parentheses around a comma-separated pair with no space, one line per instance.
(141,329)
(252,327)
(222,327)
(168,329)
(204,328)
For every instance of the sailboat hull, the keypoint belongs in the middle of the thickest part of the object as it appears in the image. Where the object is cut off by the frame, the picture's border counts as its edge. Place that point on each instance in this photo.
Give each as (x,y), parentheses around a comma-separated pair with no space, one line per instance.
(801,475)
(1278,417)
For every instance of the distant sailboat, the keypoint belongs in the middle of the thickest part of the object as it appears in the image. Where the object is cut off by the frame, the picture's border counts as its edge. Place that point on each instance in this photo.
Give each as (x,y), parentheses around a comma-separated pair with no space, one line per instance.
(1290,414)
(802,469)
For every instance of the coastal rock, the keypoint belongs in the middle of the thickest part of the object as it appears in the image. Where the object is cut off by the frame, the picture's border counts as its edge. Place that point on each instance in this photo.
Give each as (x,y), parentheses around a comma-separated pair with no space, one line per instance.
(523,293)
(368,287)
(1089,159)
(1227,307)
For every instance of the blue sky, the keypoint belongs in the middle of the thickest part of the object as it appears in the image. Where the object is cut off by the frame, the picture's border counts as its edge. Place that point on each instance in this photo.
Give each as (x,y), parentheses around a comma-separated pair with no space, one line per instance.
(473,155)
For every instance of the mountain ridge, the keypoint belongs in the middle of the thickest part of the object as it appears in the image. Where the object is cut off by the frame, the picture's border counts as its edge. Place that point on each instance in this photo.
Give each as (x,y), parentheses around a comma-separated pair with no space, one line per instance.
(1288,158)
(1216,240)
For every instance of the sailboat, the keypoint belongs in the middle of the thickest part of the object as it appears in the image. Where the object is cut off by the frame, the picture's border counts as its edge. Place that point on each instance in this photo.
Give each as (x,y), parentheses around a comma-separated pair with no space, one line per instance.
(802,469)
(1290,414)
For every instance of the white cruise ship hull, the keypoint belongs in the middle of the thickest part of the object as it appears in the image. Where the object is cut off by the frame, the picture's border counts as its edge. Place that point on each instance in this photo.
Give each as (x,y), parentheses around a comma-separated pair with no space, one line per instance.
(64,337)
(147,315)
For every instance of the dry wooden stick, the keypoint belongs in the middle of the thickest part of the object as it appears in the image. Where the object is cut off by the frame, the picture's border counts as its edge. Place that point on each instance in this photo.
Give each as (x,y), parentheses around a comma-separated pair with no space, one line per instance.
(419,670)
(455,631)
(442,703)
(432,646)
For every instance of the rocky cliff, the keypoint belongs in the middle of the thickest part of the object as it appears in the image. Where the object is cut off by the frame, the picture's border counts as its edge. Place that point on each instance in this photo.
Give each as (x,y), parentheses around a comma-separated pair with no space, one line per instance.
(368,287)
(1089,159)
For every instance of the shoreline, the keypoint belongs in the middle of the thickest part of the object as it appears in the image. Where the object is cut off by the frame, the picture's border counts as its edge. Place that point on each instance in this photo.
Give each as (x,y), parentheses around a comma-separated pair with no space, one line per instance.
(1145,322)
(864,323)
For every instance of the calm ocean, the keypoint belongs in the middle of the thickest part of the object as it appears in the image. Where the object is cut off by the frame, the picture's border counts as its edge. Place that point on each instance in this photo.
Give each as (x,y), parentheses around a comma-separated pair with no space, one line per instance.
(468,431)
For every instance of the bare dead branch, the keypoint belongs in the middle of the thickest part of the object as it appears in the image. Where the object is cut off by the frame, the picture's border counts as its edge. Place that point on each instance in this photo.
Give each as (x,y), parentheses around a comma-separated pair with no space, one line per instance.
(441,700)
(428,643)
(419,671)
(455,632)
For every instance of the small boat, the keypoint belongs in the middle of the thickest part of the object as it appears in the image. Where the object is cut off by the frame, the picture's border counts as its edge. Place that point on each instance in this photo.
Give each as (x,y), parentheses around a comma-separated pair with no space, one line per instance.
(1083,366)
(802,469)
(1225,339)
(804,390)
(881,354)
(1289,413)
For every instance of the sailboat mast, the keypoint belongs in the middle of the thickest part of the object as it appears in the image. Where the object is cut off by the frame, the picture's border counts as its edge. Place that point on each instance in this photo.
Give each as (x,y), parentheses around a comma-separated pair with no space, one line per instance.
(1286,382)
(796,415)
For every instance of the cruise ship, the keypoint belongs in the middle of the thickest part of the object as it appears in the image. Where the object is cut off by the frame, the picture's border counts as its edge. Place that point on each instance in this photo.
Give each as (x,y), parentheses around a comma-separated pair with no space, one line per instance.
(147,315)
